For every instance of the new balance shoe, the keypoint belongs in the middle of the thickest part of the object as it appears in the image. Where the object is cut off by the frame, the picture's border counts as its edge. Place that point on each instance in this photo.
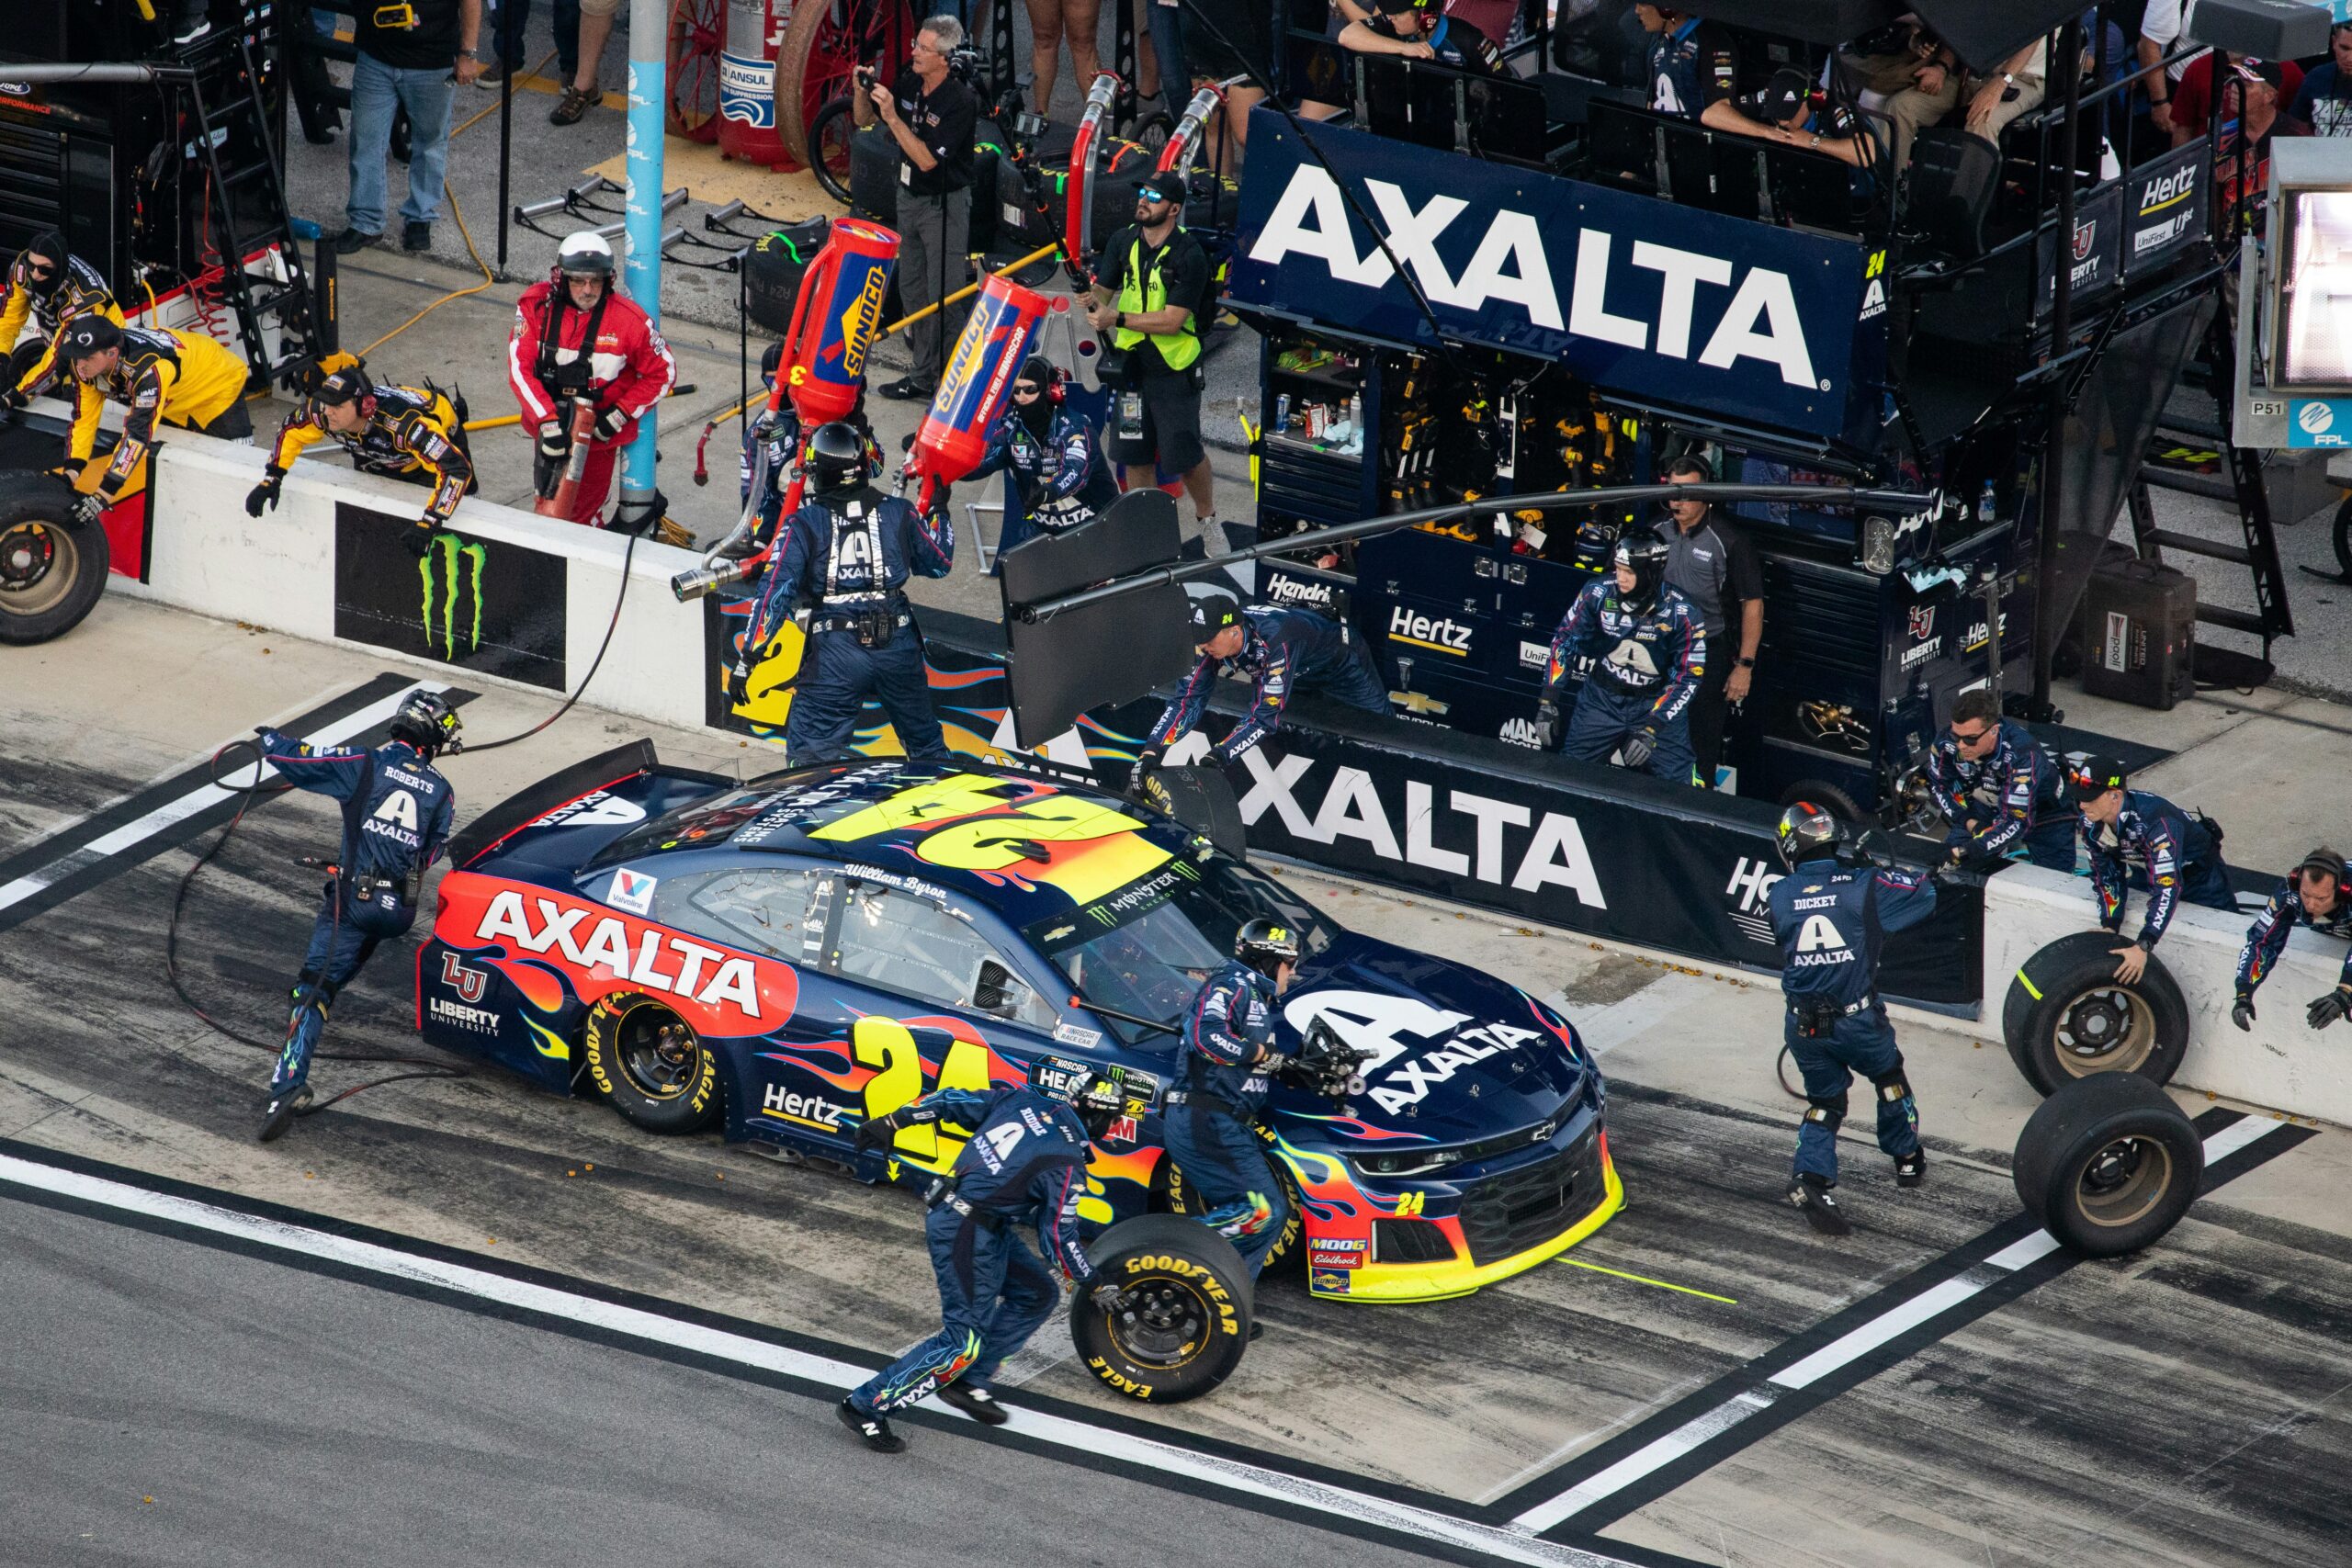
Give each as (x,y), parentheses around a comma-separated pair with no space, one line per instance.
(874,1431)
(977,1403)
(1912,1168)
(1813,1199)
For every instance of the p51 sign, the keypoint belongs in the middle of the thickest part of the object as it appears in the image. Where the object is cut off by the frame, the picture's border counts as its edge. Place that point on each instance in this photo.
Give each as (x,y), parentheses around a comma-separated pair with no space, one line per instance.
(1660,303)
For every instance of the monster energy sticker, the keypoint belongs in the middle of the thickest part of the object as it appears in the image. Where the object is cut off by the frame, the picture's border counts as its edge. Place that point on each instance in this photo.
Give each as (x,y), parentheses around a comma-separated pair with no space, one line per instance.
(482,604)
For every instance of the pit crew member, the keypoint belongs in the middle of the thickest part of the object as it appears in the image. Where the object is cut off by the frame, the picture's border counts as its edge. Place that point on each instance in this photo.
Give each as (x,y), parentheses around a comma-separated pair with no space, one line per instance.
(1649,649)
(1025,1165)
(1286,651)
(164,377)
(48,286)
(397,813)
(1055,460)
(576,339)
(1998,790)
(1831,921)
(2138,840)
(412,434)
(1229,1059)
(2313,896)
(847,553)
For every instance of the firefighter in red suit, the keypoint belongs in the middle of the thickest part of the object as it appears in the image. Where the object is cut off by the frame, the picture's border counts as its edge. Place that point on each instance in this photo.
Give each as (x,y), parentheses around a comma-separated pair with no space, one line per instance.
(550,364)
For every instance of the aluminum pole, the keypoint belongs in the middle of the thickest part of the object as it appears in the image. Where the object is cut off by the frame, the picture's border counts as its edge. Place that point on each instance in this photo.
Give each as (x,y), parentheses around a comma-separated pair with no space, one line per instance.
(648,31)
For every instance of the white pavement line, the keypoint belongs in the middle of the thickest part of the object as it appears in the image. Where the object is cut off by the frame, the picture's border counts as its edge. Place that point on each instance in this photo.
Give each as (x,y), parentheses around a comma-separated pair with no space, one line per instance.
(1847,1348)
(187,805)
(1166,1460)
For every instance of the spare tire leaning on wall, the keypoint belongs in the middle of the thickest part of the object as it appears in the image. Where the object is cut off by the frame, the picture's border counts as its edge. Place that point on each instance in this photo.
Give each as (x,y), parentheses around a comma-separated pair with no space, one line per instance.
(52,568)
(2108,1164)
(2066,1016)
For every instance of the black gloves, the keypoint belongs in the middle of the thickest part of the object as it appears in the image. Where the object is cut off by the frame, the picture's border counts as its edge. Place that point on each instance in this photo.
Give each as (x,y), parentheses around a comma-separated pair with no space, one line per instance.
(764,423)
(734,683)
(611,423)
(1547,724)
(1103,1295)
(87,509)
(1639,745)
(2243,1014)
(1149,760)
(418,541)
(554,441)
(264,496)
(2336,1004)
(876,1133)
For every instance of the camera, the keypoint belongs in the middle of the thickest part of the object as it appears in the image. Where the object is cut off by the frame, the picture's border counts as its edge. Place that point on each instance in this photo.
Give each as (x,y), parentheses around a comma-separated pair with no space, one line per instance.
(867,78)
(964,64)
(1029,127)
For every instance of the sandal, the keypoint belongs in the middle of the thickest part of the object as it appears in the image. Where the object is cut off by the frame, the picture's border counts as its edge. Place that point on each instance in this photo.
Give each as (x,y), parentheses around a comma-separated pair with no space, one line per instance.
(574,107)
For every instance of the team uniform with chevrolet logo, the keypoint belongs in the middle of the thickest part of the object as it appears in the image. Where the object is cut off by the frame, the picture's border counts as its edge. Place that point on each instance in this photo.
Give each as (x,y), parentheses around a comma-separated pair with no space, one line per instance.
(48,286)
(1228,1057)
(413,434)
(1286,651)
(2003,797)
(1649,650)
(162,377)
(2136,839)
(2313,896)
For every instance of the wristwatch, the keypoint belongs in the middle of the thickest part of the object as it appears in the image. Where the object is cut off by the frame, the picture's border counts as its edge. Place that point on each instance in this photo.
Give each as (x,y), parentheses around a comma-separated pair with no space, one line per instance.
(1747,664)
(1120,320)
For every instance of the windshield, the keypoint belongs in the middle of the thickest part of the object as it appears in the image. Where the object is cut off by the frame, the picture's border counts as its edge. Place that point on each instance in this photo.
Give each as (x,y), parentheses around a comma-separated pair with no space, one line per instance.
(1148,948)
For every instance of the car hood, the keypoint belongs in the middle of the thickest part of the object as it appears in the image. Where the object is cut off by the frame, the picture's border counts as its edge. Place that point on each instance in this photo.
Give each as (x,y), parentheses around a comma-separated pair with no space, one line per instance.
(1457,1055)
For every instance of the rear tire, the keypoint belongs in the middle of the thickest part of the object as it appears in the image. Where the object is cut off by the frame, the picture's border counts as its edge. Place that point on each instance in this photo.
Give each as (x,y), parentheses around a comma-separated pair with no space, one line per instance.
(1827,796)
(52,570)
(1187,1319)
(2108,1164)
(2084,1022)
(648,1062)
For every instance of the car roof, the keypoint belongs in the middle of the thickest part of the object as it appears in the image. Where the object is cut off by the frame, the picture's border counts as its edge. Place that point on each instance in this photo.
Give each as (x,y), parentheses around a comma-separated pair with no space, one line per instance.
(1026,843)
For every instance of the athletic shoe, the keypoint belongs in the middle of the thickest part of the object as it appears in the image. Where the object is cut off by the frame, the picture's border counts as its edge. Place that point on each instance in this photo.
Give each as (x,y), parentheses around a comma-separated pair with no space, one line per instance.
(907,389)
(1912,1168)
(874,1431)
(281,1113)
(1811,1196)
(351,242)
(416,237)
(977,1403)
(195,20)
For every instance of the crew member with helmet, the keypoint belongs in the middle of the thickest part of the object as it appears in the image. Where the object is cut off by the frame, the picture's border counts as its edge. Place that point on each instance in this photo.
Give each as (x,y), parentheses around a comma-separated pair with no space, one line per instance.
(578,340)
(48,286)
(846,554)
(1284,650)
(163,377)
(774,435)
(1649,649)
(413,434)
(1832,921)
(1999,789)
(1024,1165)
(1230,1061)
(2136,839)
(397,813)
(1056,463)
(2313,896)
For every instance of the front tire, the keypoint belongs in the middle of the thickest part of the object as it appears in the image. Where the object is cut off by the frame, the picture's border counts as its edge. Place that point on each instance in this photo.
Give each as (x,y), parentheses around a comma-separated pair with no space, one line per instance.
(1186,1320)
(2066,1017)
(1170,1191)
(52,570)
(655,1070)
(2108,1164)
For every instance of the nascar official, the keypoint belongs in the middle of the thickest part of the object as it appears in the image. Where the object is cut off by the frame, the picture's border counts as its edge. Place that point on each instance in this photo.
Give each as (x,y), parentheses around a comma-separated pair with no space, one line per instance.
(164,377)
(412,434)
(1649,653)
(48,286)
(2313,895)
(578,340)
(1286,650)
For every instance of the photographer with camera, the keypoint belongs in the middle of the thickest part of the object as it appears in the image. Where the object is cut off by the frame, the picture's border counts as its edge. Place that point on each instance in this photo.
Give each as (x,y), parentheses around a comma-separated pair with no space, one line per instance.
(930,112)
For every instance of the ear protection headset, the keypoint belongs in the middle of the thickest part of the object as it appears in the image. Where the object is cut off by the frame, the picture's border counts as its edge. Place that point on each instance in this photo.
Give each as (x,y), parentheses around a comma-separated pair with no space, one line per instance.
(1057,380)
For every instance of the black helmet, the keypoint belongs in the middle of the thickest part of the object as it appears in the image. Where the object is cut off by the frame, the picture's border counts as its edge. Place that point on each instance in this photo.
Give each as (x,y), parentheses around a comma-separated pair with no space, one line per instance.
(87,336)
(427,722)
(1806,832)
(1266,946)
(1098,1097)
(1646,554)
(770,358)
(49,242)
(833,461)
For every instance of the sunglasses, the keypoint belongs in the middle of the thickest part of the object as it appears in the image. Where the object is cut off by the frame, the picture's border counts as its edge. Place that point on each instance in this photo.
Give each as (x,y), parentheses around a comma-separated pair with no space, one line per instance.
(1026,390)
(1972,739)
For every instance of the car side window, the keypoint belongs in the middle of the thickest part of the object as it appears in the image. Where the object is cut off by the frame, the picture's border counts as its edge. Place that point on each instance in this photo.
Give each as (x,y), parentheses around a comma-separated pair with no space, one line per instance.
(766,911)
(899,942)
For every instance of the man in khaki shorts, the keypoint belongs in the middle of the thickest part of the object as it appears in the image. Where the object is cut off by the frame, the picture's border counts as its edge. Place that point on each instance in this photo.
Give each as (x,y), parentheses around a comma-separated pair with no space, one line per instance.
(580,94)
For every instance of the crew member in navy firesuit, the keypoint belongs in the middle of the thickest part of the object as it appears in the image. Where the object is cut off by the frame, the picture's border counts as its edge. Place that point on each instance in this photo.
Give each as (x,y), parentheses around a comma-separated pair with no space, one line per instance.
(847,553)
(1025,1165)
(1999,789)
(1056,461)
(1287,651)
(778,430)
(1229,1060)
(1831,921)
(2313,895)
(1650,652)
(2142,840)
(397,812)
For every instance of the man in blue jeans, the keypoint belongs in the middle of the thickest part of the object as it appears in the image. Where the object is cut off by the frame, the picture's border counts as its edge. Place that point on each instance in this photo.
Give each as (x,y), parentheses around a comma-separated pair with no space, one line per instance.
(412,54)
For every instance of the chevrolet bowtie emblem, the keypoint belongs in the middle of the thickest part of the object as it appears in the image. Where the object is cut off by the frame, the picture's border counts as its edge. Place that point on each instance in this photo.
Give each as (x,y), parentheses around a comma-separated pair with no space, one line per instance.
(1419,702)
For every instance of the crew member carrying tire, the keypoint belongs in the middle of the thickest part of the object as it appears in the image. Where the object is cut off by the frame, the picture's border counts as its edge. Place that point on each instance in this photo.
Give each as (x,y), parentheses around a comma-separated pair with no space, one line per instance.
(1999,789)
(397,813)
(583,352)
(1230,1061)
(1649,650)
(848,552)
(48,286)
(412,434)
(2313,895)
(1831,922)
(164,377)
(1286,650)
(2140,840)
(1025,1165)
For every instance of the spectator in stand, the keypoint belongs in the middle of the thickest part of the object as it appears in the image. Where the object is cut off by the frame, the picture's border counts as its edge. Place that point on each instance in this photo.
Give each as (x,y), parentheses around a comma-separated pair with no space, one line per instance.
(1050,22)
(2325,102)
(1401,27)
(1916,74)
(595,26)
(2251,113)
(930,113)
(1788,111)
(2192,96)
(410,56)
(2011,88)
(1693,66)
(1224,39)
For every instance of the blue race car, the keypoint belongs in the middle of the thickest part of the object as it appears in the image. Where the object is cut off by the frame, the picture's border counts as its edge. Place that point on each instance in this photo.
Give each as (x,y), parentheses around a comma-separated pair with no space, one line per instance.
(790,956)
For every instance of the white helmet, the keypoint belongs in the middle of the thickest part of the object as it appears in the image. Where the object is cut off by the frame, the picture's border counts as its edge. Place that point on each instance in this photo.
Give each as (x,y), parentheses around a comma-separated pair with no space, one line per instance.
(585,253)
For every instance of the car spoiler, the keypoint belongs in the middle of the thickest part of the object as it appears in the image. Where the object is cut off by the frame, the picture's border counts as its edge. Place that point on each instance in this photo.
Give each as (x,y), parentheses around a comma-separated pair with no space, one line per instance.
(486,831)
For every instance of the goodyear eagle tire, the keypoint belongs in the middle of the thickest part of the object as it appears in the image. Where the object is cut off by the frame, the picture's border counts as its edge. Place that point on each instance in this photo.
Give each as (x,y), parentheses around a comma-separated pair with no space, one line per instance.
(2066,1017)
(653,1068)
(1186,1320)
(52,570)
(2108,1164)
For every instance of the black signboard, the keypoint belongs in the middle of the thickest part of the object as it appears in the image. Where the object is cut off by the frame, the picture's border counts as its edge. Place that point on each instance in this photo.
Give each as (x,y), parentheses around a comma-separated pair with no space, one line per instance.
(2166,200)
(479,603)
(2096,251)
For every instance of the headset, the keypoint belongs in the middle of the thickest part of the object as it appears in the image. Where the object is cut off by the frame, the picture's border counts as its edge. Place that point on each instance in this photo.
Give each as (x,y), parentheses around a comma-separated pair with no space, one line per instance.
(1056,380)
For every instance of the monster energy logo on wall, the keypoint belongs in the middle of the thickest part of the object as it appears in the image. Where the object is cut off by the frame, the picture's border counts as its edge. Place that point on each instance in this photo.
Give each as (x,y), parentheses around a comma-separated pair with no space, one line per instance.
(451,558)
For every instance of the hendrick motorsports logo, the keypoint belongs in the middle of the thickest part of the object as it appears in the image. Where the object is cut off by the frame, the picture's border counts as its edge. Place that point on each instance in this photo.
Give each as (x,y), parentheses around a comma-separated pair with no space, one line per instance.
(1750,886)
(452,570)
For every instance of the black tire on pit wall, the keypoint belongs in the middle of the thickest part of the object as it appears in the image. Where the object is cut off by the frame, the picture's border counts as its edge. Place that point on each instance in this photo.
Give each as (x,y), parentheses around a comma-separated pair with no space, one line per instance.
(1185,1320)
(2067,1017)
(2108,1164)
(52,570)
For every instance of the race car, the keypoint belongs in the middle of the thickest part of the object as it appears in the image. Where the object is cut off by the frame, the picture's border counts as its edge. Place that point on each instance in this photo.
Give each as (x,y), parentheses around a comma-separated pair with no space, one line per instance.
(793,955)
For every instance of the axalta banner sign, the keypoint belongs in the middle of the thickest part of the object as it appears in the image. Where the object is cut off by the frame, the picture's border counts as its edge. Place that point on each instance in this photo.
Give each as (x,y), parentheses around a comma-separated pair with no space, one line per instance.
(1660,303)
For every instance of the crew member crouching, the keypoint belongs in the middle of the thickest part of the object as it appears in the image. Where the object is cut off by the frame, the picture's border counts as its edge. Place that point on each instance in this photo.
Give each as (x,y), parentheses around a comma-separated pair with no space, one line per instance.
(1287,651)
(412,434)
(2136,839)
(162,377)
(2313,895)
